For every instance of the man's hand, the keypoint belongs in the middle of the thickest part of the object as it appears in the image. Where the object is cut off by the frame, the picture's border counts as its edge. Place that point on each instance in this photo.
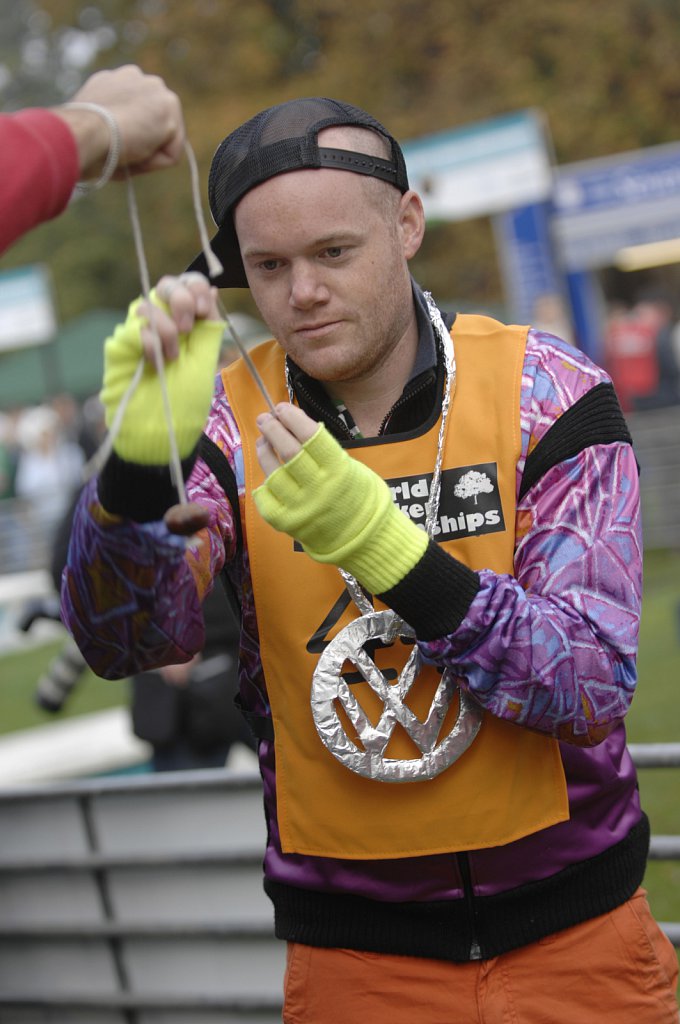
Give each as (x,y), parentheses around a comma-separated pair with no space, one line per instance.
(187,299)
(183,312)
(283,435)
(339,509)
(149,116)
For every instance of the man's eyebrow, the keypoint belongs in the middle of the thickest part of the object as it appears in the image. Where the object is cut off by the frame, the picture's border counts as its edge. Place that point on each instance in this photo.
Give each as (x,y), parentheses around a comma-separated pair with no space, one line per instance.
(256,253)
(337,238)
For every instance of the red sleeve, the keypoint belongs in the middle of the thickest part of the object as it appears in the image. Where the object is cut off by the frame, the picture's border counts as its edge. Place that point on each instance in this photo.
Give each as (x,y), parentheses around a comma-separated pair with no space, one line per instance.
(38,169)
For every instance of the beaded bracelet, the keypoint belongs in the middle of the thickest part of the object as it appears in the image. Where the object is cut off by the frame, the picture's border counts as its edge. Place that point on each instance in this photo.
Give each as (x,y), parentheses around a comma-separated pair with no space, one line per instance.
(113,156)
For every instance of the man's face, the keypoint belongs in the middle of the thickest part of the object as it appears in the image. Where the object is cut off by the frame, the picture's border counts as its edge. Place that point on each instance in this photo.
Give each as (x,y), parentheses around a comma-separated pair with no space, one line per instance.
(326,256)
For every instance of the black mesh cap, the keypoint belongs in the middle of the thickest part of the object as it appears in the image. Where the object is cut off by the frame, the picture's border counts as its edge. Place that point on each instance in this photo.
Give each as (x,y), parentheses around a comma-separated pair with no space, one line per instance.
(280,139)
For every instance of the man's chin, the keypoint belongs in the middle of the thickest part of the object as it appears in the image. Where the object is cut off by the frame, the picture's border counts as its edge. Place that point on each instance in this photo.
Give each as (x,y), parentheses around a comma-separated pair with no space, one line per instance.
(328,374)
(325,366)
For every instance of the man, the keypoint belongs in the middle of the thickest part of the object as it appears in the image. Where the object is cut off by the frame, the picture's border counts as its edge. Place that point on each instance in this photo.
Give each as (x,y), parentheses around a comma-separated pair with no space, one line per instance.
(119,120)
(454,831)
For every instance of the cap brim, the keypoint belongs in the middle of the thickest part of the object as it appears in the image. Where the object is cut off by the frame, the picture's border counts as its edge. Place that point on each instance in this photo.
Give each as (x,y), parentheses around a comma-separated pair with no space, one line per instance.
(226,248)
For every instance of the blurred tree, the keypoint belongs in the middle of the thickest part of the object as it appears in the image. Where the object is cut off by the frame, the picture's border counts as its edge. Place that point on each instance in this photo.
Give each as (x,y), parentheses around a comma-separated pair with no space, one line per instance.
(607,77)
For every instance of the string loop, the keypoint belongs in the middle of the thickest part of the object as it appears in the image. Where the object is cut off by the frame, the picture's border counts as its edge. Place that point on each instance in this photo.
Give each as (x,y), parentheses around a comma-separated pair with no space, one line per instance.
(98,460)
(113,156)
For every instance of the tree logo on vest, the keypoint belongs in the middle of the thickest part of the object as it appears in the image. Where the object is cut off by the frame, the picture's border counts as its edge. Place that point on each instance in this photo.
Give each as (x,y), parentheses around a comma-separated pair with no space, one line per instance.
(469,504)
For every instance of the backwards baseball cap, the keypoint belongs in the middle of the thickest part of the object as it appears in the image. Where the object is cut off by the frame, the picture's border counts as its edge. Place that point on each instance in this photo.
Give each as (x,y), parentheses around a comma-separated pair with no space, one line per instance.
(277,140)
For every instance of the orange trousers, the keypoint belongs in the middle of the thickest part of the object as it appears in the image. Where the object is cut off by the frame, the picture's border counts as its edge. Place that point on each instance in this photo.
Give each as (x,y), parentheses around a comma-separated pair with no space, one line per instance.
(616,969)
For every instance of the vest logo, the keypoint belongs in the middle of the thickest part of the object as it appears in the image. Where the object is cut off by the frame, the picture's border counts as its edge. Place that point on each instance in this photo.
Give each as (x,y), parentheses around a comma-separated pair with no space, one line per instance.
(469,503)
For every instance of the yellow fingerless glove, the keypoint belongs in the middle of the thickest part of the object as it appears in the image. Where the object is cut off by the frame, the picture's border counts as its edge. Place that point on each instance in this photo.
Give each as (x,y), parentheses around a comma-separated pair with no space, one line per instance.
(143,436)
(342,512)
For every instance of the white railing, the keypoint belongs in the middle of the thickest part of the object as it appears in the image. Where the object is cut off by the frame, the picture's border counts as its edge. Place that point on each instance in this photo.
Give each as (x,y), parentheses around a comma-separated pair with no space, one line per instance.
(661,755)
(140,899)
(656,441)
(25,538)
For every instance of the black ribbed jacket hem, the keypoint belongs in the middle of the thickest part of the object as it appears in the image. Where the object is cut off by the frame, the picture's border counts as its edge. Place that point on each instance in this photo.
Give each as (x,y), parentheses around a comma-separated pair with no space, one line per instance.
(445,930)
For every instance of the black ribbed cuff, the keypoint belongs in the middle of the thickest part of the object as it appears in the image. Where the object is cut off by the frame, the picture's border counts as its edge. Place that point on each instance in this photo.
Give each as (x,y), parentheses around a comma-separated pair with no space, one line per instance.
(434,597)
(142,493)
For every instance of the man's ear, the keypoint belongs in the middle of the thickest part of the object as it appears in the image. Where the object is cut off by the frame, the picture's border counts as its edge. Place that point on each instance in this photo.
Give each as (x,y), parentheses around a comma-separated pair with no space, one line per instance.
(411,222)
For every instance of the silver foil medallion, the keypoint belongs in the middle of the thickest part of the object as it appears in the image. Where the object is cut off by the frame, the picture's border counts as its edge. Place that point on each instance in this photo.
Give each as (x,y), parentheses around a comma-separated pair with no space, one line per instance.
(329,686)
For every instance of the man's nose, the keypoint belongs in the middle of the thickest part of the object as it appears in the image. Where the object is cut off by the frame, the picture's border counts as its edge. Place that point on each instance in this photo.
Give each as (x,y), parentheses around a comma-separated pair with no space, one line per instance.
(307,287)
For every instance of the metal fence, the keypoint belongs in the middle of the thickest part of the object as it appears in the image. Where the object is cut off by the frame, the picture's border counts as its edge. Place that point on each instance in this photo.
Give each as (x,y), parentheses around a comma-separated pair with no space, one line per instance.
(656,440)
(139,900)
(25,538)
(661,755)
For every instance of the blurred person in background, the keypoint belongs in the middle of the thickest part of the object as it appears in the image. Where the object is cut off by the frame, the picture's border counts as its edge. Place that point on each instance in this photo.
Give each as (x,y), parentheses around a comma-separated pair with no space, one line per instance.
(125,121)
(551,314)
(8,456)
(49,470)
(658,306)
(185,712)
(13,545)
(81,423)
(639,352)
(453,818)
(630,354)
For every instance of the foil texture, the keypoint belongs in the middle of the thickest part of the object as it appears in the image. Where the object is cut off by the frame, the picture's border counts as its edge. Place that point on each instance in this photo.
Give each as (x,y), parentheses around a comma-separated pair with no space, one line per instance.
(329,686)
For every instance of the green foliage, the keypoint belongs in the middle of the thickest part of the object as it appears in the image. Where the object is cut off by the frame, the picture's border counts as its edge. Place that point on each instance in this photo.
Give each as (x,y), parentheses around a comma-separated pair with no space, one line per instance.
(607,78)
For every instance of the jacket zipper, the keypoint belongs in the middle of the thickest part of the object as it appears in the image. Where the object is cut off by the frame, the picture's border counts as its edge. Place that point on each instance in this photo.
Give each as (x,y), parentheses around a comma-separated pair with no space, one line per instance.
(404,399)
(466,875)
(334,423)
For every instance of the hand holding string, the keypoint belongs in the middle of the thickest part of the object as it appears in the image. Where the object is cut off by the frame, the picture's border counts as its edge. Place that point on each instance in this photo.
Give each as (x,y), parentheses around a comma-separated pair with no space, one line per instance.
(341,511)
(189,297)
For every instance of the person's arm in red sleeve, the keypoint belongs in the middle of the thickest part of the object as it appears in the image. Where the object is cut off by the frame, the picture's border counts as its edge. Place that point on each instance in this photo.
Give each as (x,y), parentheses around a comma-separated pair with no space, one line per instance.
(44,152)
(39,167)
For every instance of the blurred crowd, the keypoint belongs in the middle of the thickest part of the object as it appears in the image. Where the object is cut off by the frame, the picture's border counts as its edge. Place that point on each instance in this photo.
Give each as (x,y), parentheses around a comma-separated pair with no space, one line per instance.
(186,713)
(642,351)
(43,452)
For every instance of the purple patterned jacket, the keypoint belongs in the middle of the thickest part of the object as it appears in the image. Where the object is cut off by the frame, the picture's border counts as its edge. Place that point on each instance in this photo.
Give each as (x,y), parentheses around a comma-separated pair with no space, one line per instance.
(551,649)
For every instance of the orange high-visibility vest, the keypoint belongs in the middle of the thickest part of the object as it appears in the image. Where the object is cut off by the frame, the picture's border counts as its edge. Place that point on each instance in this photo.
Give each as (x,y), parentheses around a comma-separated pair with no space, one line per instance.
(510,781)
